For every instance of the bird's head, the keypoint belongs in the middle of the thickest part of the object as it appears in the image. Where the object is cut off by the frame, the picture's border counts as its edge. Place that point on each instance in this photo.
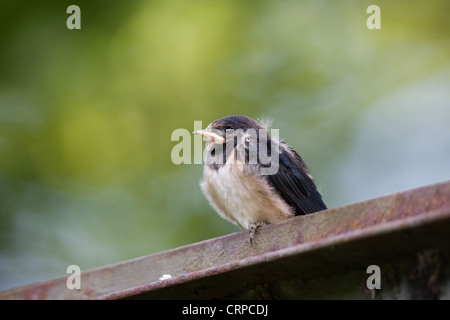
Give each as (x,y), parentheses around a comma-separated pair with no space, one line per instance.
(216,132)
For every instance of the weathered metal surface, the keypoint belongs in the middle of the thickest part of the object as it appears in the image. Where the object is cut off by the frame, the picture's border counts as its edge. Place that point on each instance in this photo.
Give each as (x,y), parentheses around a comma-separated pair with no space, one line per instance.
(285,260)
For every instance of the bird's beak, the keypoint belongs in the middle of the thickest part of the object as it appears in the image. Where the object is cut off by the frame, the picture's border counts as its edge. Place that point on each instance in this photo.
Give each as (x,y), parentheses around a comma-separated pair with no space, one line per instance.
(214,137)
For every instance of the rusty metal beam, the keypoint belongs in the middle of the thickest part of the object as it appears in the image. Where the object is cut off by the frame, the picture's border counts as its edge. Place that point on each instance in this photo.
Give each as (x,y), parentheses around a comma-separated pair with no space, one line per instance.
(293,259)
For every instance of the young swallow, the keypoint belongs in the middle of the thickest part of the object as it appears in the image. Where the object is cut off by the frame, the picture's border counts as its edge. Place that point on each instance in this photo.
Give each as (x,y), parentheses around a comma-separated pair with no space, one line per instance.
(252,179)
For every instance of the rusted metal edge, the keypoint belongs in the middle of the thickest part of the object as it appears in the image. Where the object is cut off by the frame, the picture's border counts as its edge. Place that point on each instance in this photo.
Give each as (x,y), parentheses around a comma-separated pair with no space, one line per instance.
(437,218)
(423,211)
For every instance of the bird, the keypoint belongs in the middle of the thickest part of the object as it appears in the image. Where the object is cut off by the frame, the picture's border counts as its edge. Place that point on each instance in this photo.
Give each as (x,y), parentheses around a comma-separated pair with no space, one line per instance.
(252,179)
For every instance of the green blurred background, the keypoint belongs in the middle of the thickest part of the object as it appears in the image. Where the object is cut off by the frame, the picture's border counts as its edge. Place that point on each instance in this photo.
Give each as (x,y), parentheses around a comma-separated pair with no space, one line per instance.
(86,116)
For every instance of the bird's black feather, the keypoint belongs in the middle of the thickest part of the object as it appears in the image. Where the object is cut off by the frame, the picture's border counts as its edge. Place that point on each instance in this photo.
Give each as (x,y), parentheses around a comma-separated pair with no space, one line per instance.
(293,184)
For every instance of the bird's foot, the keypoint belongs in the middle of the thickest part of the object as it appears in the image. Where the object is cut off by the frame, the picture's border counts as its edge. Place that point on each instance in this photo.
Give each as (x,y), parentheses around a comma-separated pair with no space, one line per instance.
(252,228)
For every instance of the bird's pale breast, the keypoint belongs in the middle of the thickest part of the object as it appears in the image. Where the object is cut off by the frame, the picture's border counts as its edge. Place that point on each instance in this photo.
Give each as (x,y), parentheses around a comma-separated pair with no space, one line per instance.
(242,196)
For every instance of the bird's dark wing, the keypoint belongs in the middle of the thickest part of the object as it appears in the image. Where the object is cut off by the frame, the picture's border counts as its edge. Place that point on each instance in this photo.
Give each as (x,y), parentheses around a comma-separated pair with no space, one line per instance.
(293,183)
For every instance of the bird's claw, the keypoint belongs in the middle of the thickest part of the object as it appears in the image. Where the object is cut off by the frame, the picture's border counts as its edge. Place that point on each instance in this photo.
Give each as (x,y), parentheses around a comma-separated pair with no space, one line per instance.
(253,228)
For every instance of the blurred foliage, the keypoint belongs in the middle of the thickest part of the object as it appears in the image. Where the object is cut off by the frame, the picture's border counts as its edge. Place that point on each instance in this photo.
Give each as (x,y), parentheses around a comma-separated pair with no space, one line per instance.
(86,115)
